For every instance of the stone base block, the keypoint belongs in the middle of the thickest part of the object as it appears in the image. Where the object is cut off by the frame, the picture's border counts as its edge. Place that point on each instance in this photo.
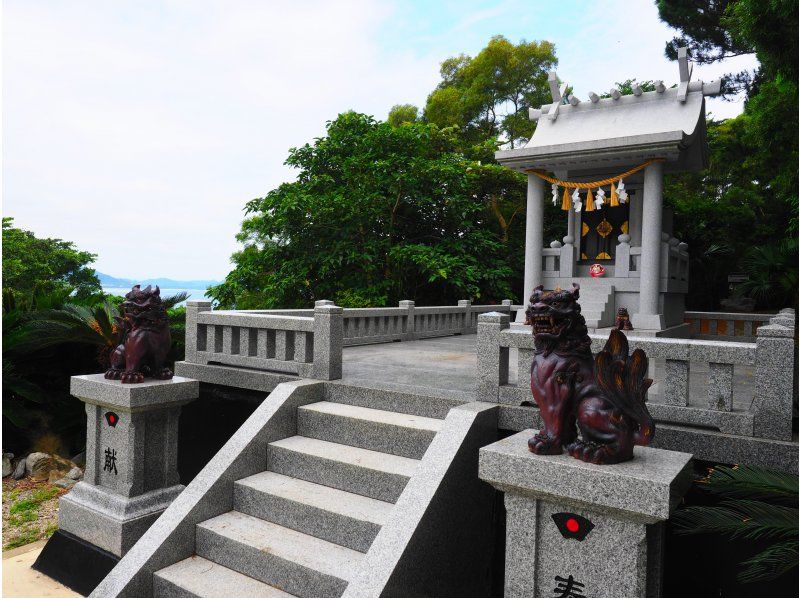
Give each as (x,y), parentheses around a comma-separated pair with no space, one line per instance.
(108,520)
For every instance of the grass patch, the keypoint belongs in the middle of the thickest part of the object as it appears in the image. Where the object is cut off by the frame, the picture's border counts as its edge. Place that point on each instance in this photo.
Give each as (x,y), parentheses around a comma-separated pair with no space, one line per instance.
(32,502)
(25,537)
(22,518)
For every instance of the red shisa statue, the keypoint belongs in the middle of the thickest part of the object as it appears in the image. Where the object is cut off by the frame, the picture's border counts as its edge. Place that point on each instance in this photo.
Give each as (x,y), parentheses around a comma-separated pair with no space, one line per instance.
(144,338)
(603,396)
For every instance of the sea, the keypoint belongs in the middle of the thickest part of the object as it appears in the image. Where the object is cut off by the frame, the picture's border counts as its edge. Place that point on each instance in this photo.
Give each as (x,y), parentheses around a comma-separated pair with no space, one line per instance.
(165,292)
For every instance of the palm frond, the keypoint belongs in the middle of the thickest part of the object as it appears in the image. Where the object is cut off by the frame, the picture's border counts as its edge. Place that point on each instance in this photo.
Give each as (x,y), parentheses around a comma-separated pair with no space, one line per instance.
(173,300)
(770,563)
(752,483)
(749,520)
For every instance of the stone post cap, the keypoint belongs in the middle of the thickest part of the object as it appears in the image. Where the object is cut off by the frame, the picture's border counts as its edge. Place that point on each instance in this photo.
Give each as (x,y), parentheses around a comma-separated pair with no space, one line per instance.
(645,489)
(322,302)
(494,317)
(198,303)
(464,302)
(775,330)
(406,303)
(568,240)
(624,238)
(507,302)
(555,244)
(150,394)
(328,309)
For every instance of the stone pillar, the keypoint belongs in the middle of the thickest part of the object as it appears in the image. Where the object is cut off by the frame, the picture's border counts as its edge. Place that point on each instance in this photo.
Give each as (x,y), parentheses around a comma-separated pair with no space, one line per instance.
(775,381)
(570,522)
(409,331)
(467,305)
(492,358)
(650,276)
(328,341)
(534,237)
(192,309)
(131,459)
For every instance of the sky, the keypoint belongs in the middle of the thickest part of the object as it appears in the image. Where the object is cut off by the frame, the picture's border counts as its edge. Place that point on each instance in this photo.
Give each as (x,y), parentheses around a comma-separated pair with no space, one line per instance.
(139,129)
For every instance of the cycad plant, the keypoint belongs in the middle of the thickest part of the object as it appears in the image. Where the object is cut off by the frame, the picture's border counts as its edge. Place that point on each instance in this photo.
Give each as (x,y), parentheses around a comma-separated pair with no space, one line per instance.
(754,504)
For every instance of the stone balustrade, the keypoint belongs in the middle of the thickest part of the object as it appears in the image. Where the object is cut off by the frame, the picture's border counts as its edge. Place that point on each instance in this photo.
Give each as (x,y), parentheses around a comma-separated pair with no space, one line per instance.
(710,405)
(725,326)
(308,343)
(306,346)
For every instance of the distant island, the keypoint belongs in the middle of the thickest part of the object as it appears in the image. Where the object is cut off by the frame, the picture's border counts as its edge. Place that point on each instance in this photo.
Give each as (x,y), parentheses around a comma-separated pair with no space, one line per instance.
(165,283)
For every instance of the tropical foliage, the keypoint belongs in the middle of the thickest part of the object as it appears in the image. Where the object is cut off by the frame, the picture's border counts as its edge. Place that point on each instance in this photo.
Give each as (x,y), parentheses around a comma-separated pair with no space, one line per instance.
(56,323)
(746,202)
(752,504)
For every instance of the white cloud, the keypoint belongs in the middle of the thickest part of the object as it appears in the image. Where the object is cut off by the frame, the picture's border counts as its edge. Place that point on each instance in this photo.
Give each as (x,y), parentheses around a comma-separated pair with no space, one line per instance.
(140,129)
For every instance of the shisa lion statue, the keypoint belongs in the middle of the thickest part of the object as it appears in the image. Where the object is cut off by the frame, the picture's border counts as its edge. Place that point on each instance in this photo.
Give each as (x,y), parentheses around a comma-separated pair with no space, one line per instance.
(145,339)
(603,396)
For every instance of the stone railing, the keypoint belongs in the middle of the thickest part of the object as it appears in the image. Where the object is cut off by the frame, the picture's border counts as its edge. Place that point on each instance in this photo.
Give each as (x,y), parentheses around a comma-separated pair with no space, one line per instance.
(725,326)
(308,342)
(309,346)
(771,358)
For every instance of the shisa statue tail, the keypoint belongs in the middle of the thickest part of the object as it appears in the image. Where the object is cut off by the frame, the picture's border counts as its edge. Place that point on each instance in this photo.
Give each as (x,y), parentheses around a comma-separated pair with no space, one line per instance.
(623,379)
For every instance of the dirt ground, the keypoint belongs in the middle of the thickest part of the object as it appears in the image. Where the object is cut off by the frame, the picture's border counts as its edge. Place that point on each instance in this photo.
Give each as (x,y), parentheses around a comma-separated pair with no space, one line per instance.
(30,511)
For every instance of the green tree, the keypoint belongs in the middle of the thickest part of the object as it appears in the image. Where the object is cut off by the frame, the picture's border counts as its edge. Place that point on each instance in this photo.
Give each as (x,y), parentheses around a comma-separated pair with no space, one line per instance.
(32,265)
(488,96)
(377,214)
(402,113)
(749,196)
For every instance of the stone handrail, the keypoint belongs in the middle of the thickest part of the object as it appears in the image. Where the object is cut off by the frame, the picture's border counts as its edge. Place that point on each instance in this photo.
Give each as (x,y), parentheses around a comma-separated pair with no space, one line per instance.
(307,346)
(772,357)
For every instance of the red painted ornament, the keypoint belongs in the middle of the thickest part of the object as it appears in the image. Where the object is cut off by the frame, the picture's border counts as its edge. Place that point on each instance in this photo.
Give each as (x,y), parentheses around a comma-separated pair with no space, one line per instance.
(572,525)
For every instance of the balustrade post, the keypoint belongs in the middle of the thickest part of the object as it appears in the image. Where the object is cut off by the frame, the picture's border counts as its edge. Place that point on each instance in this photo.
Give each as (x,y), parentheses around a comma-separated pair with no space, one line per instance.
(566,262)
(328,341)
(192,329)
(774,378)
(410,332)
(467,305)
(492,358)
(676,382)
(622,260)
(720,386)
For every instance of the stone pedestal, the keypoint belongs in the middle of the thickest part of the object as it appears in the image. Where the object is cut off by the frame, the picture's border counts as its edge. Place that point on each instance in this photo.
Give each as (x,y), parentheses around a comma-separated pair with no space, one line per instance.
(131,459)
(570,522)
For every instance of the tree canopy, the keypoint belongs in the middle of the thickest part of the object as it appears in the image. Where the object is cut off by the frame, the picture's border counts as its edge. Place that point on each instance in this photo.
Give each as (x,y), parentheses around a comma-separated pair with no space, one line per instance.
(742,212)
(377,214)
(35,265)
(488,96)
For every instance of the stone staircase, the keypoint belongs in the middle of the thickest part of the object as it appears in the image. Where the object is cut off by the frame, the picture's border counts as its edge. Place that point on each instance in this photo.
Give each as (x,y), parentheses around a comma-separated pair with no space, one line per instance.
(303,526)
(597,306)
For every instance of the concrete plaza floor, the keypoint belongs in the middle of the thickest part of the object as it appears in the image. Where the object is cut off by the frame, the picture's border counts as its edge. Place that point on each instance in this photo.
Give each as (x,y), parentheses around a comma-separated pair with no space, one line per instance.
(20,581)
(447,367)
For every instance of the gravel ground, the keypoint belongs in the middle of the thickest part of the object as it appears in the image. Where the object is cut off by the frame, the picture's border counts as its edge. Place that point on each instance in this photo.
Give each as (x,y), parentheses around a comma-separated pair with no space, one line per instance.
(30,511)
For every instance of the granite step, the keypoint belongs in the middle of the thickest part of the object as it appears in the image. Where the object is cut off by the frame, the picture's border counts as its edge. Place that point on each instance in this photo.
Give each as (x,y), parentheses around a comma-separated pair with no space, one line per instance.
(414,403)
(334,515)
(373,429)
(197,577)
(284,558)
(357,470)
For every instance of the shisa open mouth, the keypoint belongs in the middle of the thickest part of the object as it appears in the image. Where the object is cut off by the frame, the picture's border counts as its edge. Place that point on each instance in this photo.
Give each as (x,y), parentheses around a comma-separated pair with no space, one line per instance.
(547,325)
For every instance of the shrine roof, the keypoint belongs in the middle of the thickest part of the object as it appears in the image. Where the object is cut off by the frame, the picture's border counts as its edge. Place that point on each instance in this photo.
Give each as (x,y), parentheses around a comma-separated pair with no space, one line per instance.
(614,132)
(596,134)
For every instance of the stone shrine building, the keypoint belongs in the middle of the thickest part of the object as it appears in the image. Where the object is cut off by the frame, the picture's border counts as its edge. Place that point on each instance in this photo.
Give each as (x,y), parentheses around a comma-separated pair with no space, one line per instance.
(620,147)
